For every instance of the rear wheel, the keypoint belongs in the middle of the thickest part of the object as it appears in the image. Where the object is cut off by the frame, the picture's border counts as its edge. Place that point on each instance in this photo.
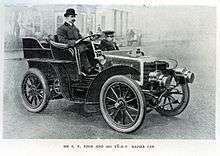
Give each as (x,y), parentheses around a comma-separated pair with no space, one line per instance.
(122,104)
(35,91)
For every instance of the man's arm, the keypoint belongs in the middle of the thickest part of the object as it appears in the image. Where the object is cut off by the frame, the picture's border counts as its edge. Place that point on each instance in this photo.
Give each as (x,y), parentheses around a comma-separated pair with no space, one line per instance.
(80,36)
(116,47)
(103,46)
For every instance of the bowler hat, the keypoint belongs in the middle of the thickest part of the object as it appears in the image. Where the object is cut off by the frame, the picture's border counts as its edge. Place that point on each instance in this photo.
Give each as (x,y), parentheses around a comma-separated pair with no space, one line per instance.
(70,12)
(108,32)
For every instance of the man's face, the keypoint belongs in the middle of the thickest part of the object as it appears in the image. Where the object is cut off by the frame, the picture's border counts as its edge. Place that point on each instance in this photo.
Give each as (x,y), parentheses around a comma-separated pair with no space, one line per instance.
(110,38)
(71,18)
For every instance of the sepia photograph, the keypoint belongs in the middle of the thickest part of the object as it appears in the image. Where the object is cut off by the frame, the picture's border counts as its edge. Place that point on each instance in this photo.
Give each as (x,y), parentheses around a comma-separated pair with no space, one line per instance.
(109,71)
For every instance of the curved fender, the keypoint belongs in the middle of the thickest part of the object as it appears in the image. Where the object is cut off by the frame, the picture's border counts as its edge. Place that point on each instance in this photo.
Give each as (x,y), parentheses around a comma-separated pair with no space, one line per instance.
(59,71)
(92,97)
(46,67)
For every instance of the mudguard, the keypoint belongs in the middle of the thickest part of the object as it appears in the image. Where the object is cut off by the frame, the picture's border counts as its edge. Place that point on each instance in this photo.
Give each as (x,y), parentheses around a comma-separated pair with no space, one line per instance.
(92,97)
(64,72)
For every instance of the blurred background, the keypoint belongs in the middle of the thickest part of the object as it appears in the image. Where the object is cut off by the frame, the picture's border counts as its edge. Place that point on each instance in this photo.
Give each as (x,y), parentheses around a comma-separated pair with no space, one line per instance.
(134,25)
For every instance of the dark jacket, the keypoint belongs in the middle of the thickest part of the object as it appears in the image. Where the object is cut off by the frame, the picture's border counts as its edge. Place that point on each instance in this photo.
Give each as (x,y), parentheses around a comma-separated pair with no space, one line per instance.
(105,45)
(68,34)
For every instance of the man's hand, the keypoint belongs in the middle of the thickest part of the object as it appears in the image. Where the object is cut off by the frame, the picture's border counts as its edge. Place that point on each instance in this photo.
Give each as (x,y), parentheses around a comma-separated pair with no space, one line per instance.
(73,43)
(77,41)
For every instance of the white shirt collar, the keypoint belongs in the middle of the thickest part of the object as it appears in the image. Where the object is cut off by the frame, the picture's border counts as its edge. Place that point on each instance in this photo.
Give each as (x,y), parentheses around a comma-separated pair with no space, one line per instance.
(69,23)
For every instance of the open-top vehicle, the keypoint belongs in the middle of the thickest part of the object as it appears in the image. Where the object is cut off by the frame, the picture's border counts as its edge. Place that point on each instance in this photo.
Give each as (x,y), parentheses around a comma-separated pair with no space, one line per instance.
(125,87)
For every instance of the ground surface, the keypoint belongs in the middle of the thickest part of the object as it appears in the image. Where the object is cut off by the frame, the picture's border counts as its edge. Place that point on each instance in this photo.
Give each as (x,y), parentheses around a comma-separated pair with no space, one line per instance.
(61,119)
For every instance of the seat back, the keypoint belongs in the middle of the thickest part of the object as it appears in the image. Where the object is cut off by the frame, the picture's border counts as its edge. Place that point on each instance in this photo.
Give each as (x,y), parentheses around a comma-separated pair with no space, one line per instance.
(32,48)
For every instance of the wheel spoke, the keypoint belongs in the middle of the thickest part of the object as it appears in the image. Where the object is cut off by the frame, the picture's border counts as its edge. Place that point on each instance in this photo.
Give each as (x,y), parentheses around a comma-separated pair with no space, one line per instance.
(132,108)
(131,99)
(171,100)
(31,101)
(29,97)
(38,85)
(114,92)
(111,113)
(31,80)
(129,115)
(125,94)
(164,101)
(174,101)
(119,88)
(171,106)
(35,100)
(40,95)
(38,99)
(179,93)
(116,113)
(28,82)
(111,107)
(111,99)
(27,89)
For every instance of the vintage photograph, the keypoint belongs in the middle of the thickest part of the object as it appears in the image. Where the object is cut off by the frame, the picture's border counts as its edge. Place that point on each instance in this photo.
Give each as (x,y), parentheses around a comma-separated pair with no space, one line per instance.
(76,71)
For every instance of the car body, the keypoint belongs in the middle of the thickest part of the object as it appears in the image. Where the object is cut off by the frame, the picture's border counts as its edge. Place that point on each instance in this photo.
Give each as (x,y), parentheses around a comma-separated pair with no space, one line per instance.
(126,87)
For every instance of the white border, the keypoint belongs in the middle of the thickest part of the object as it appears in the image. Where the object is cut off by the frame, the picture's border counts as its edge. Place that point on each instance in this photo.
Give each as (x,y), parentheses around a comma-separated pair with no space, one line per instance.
(116,2)
(1,66)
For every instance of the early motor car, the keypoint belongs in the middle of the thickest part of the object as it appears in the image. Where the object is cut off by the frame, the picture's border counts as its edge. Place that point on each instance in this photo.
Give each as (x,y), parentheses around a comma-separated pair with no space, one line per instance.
(125,87)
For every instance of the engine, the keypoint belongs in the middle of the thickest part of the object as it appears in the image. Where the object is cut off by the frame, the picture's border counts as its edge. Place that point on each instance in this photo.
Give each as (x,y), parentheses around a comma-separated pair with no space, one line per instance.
(159,79)
(154,77)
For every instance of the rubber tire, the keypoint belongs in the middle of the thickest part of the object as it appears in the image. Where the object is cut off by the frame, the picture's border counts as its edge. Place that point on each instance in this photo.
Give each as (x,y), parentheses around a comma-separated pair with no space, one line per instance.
(179,109)
(46,95)
(140,95)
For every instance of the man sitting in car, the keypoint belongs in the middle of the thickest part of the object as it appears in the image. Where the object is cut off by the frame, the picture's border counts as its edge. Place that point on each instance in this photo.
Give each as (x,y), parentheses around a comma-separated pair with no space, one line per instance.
(68,33)
(108,43)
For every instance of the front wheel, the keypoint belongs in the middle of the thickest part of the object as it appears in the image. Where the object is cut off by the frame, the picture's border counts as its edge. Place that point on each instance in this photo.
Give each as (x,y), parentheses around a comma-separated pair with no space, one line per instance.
(122,104)
(175,101)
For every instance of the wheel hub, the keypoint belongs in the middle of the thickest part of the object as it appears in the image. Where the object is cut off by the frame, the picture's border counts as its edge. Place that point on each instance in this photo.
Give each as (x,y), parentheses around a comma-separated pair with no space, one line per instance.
(120,104)
(33,90)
